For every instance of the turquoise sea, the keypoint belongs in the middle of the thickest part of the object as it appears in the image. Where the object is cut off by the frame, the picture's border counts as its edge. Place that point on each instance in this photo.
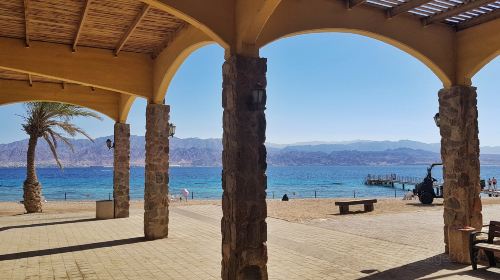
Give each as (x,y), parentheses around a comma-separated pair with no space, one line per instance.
(205,182)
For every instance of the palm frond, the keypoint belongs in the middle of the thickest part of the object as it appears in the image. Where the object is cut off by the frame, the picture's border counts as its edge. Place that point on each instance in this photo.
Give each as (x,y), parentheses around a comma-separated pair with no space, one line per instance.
(53,149)
(63,139)
(45,119)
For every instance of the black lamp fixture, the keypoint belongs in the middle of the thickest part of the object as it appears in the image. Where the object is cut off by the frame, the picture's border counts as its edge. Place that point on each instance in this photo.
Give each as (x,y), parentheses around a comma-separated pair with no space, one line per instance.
(437,120)
(258,98)
(171,129)
(110,144)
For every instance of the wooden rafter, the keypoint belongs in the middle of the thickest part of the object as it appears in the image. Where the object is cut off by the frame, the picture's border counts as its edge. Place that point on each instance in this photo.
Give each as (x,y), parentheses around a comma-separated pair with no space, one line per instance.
(405,7)
(479,20)
(353,3)
(132,27)
(26,23)
(467,6)
(82,22)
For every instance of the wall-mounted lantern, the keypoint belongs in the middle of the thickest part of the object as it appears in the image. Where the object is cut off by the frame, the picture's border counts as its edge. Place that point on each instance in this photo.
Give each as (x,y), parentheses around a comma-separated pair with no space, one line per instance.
(110,144)
(171,129)
(437,120)
(258,99)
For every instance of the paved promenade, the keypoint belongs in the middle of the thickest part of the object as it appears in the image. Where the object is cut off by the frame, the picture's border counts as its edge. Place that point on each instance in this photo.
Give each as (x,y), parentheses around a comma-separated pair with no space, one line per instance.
(75,246)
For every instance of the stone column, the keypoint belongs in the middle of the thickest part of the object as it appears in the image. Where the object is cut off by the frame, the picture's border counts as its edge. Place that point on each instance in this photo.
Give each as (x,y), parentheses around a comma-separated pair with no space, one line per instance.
(121,170)
(460,155)
(156,172)
(244,181)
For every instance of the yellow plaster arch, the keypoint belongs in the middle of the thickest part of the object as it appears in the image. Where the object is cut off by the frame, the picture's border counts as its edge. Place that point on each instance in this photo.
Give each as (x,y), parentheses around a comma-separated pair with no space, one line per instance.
(433,67)
(214,18)
(434,45)
(98,100)
(47,100)
(477,46)
(483,63)
(171,58)
(126,102)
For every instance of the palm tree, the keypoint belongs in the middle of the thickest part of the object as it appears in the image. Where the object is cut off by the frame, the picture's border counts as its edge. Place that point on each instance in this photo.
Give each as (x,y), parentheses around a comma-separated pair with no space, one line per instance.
(50,121)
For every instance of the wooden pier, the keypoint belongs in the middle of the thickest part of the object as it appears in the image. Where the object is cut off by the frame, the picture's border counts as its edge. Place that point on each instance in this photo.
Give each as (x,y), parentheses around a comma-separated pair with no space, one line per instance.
(392,180)
(490,193)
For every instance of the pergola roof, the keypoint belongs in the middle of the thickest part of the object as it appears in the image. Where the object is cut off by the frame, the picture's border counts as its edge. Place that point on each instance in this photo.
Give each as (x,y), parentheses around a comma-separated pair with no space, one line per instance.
(132,48)
(119,25)
(458,13)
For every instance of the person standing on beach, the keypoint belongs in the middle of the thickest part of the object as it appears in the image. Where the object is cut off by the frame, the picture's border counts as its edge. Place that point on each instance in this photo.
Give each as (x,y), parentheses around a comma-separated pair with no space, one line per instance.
(494,181)
(489,184)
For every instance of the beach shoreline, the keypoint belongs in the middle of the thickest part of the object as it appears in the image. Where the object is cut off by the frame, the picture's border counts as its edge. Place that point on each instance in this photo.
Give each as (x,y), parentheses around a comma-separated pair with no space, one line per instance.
(295,210)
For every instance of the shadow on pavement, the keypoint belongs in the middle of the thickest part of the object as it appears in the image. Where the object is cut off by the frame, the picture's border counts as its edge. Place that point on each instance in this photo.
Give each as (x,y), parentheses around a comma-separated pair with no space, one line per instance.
(436,267)
(48,224)
(68,249)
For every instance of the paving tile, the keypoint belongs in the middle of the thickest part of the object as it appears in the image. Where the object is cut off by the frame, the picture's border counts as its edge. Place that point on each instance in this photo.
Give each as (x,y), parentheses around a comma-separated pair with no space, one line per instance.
(75,246)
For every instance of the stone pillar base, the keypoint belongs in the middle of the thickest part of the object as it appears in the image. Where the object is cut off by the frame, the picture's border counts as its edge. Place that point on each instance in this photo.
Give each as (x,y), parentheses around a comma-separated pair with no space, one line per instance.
(459,246)
(156,172)
(460,155)
(121,170)
(243,226)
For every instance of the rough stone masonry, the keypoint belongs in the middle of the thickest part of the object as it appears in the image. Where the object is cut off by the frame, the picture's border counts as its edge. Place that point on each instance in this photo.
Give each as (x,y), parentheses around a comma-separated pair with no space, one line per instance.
(121,170)
(460,155)
(244,181)
(156,172)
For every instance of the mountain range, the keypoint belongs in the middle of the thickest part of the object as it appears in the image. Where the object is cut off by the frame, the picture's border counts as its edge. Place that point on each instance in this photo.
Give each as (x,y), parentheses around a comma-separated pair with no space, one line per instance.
(207,152)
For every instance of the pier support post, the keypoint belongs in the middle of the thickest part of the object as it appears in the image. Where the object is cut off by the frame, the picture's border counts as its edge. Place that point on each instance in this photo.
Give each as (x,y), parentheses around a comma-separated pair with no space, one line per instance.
(460,155)
(243,225)
(121,170)
(156,172)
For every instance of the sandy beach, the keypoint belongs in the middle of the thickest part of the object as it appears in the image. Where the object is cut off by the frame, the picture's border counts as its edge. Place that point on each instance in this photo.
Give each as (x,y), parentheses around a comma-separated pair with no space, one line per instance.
(295,210)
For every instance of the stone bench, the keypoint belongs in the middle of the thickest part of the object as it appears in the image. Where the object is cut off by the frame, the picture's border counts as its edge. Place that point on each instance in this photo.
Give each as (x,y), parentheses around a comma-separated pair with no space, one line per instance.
(344,205)
(487,246)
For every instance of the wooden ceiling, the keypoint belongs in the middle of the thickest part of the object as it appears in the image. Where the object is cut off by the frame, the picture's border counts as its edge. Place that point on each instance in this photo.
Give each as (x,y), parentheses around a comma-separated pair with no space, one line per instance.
(132,26)
(118,25)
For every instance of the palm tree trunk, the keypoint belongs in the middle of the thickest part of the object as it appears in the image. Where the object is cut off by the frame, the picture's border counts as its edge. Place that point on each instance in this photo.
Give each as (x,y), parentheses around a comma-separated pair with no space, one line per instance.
(32,188)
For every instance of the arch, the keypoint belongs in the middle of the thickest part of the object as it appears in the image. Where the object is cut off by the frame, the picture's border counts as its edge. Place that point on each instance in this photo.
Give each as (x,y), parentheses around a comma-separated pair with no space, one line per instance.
(251,17)
(101,101)
(171,58)
(403,32)
(126,102)
(213,17)
(481,64)
(477,46)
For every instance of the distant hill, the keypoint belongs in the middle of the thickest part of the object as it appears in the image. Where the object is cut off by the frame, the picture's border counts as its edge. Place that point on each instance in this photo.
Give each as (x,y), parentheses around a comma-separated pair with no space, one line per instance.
(207,152)
(365,146)
(184,152)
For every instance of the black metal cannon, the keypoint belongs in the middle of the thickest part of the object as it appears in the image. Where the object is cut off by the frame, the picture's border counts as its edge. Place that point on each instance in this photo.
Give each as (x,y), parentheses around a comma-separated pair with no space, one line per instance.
(427,190)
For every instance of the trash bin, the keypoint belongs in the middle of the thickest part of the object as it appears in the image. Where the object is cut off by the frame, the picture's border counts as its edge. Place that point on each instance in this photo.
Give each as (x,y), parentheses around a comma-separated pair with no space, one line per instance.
(105,209)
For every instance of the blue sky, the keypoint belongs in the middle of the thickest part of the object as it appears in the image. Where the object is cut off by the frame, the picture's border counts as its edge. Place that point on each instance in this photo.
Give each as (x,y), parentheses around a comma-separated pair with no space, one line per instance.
(321,87)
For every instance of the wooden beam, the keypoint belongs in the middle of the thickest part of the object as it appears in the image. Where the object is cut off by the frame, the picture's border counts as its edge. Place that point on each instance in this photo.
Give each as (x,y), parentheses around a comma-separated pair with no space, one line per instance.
(26,24)
(479,20)
(82,21)
(353,3)
(405,7)
(470,5)
(92,66)
(137,20)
